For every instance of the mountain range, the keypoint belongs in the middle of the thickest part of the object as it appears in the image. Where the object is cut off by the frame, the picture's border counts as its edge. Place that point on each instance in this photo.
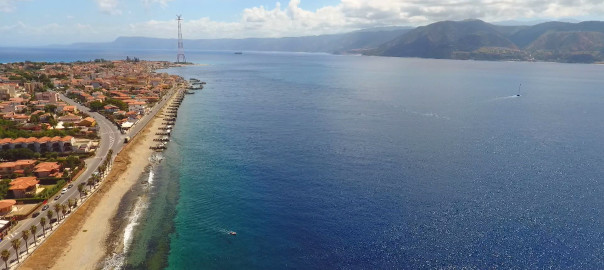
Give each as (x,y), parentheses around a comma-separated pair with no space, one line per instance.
(581,42)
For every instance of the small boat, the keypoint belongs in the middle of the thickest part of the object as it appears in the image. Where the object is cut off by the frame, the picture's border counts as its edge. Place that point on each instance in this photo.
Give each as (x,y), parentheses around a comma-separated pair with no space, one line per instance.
(238,52)
(519,90)
(232,233)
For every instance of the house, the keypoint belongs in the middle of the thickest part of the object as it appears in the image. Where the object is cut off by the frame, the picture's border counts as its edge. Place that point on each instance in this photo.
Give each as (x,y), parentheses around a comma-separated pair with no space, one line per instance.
(7,206)
(137,106)
(18,167)
(111,108)
(70,109)
(48,169)
(87,122)
(24,187)
(49,97)
(70,118)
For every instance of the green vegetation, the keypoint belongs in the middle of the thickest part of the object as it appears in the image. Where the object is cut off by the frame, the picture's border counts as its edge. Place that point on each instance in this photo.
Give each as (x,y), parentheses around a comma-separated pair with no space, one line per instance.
(96,106)
(118,103)
(70,162)
(4,184)
(16,154)
(16,244)
(474,39)
(9,129)
(47,193)
(50,108)
(5,256)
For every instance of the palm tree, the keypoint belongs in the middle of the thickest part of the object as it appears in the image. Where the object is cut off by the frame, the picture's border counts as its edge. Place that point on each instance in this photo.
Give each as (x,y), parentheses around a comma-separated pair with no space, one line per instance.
(57,208)
(50,214)
(81,189)
(16,243)
(43,223)
(33,229)
(70,203)
(96,178)
(63,210)
(90,183)
(25,235)
(5,256)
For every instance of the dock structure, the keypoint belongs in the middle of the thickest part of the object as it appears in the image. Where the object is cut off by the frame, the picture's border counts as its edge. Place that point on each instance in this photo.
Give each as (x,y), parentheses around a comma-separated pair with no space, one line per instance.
(169,116)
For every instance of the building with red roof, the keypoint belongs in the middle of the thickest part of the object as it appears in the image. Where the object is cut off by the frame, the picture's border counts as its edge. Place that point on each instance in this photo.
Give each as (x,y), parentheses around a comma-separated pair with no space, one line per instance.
(6,206)
(24,187)
(18,167)
(47,169)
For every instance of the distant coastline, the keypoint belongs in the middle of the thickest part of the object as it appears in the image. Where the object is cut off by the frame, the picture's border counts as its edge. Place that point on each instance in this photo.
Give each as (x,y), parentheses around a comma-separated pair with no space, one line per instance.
(561,42)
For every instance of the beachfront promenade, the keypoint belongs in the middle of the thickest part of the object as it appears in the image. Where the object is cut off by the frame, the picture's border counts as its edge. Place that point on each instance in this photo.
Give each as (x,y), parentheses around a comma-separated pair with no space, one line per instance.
(111,139)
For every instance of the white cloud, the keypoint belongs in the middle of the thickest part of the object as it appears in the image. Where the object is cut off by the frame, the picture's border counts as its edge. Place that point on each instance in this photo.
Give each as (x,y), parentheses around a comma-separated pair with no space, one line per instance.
(109,6)
(163,3)
(8,5)
(292,20)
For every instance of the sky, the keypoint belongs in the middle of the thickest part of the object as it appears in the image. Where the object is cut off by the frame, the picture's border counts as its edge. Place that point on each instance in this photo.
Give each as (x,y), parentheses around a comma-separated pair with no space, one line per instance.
(46,22)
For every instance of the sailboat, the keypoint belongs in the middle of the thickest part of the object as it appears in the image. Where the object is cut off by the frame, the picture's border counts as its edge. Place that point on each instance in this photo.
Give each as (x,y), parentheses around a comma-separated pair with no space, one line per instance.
(518,90)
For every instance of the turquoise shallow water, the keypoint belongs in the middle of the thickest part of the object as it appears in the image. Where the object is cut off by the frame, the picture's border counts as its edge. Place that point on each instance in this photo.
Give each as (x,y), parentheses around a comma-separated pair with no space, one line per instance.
(345,162)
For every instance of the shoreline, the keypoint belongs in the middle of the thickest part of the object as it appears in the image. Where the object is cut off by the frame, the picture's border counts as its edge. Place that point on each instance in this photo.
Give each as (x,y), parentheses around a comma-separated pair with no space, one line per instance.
(81,243)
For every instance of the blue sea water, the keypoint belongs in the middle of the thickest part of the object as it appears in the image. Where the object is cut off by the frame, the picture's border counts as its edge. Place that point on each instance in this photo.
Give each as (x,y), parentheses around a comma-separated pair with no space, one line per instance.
(346,162)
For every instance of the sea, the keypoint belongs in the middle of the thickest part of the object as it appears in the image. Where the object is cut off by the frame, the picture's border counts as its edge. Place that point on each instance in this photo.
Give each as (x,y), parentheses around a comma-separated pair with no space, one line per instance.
(322,161)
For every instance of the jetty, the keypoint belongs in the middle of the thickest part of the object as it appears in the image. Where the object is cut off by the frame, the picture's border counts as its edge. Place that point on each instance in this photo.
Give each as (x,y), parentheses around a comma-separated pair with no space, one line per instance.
(169,116)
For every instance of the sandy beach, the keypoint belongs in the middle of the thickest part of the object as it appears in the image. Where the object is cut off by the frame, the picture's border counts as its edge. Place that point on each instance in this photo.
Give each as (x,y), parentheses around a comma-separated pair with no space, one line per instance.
(80,243)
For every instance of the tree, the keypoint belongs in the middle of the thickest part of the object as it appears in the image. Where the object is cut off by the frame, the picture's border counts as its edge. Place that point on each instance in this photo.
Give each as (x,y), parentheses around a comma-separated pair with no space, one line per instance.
(81,189)
(90,182)
(43,224)
(57,208)
(96,106)
(16,154)
(50,214)
(16,243)
(33,229)
(118,103)
(34,118)
(63,210)
(50,108)
(52,121)
(5,256)
(25,235)
(70,203)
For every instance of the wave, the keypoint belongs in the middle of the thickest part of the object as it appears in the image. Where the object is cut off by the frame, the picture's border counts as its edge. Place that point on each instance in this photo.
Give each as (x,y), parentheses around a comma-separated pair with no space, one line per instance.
(118,259)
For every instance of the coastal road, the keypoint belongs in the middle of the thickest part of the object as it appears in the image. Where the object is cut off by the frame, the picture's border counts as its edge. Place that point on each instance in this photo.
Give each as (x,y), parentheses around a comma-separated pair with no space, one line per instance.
(110,138)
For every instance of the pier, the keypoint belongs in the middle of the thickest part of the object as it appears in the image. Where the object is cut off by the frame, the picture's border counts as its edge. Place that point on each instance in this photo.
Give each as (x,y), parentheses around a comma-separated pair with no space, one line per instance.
(169,120)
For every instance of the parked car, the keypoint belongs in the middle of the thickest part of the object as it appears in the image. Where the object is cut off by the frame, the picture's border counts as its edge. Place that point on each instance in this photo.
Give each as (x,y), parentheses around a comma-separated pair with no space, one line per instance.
(45,207)
(70,186)
(35,214)
(64,190)
(58,196)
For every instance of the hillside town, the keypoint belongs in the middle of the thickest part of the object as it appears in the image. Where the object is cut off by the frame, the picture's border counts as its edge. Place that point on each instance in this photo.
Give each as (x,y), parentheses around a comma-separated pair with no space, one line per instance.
(45,140)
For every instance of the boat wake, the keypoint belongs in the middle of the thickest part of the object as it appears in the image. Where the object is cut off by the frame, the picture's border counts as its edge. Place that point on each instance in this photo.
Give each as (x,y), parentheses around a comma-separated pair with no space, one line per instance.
(429,114)
(503,98)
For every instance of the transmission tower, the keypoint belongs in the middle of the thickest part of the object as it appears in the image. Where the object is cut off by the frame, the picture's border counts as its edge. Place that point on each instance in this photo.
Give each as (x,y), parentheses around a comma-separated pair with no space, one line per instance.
(180,58)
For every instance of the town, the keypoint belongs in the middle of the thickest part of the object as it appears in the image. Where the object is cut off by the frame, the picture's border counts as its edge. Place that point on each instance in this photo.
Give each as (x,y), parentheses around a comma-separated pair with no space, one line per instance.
(47,133)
